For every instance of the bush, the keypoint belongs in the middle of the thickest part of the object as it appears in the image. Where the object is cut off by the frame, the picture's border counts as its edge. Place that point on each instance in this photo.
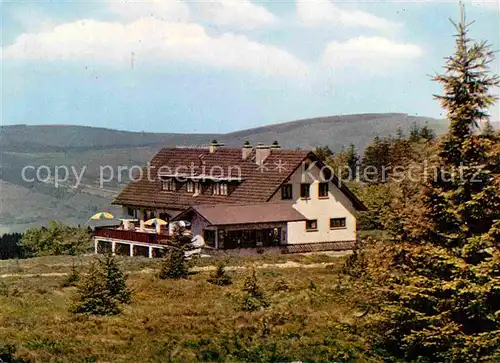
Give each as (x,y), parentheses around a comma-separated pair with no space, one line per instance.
(6,290)
(219,277)
(281,285)
(115,279)
(102,290)
(73,277)
(253,297)
(174,266)
(8,352)
(11,246)
(93,296)
(56,239)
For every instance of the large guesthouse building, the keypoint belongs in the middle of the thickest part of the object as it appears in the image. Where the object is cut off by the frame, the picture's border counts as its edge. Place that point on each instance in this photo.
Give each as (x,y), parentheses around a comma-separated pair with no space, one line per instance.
(236,199)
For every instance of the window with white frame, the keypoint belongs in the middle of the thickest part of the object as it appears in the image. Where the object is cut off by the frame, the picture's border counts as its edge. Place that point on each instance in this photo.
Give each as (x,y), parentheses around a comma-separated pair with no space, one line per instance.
(197,188)
(190,186)
(219,189)
(168,185)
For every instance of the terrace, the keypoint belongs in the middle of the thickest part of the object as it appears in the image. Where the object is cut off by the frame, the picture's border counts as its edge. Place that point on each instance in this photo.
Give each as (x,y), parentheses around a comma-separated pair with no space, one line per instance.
(137,241)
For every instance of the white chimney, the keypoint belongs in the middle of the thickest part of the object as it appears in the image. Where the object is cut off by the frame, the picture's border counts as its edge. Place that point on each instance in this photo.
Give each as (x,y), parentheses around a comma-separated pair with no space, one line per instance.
(246,150)
(261,153)
(275,145)
(213,146)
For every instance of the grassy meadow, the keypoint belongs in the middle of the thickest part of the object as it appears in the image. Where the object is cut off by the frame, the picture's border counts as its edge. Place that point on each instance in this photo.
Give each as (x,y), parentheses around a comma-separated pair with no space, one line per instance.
(312,314)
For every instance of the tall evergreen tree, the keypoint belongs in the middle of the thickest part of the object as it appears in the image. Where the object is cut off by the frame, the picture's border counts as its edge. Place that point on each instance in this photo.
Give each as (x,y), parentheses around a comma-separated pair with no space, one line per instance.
(444,299)
(352,160)
(93,296)
(115,279)
(376,161)
(414,132)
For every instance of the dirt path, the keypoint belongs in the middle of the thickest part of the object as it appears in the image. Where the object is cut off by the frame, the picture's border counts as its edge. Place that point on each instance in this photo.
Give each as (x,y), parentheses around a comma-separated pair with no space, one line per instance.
(288,264)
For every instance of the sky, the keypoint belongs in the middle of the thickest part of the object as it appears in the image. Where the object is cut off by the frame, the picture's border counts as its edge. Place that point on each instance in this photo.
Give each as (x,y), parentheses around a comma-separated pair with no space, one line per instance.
(226,65)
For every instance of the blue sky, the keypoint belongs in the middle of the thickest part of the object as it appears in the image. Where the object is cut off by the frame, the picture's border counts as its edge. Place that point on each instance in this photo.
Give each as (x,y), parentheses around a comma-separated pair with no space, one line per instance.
(220,66)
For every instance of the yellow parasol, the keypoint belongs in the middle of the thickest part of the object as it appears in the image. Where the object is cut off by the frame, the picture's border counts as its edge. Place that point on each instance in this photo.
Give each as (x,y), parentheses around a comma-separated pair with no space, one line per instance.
(101,215)
(156,221)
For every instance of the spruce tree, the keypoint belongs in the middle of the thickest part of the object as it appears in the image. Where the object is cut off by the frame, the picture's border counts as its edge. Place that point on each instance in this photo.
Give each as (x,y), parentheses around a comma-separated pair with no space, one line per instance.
(352,160)
(414,132)
(174,266)
(444,297)
(93,296)
(115,279)
(253,297)
(220,277)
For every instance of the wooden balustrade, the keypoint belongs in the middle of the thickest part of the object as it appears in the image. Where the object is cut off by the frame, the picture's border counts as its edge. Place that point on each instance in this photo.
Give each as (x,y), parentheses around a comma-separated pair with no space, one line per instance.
(134,236)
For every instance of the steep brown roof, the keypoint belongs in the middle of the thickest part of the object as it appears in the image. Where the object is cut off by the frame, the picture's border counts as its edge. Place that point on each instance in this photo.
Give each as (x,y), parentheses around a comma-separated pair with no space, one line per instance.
(257,183)
(230,214)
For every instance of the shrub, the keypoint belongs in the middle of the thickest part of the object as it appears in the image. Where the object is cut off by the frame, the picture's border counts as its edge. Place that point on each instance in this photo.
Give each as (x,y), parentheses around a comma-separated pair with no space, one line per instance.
(115,279)
(93,296)
(253,297)
(73,277)
(56,239)
(281,285)
(102,290)
(219,277)
(11,246)
(6,290)
(174,265)
(8,352)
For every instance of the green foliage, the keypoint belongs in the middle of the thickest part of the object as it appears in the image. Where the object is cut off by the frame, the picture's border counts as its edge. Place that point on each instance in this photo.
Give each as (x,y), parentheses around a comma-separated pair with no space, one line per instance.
(488,130)
(10,246)
(281,286)
(73,277)
(220,277)
(56,239)
(253,298)
(93,296)
(8,354)
(323,152)
(102,289)
(115,279)
(345,163)
(175,265)
(442,296)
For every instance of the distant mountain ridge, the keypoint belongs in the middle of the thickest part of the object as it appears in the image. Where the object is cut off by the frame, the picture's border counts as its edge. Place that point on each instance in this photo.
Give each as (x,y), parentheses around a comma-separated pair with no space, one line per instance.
(334,131)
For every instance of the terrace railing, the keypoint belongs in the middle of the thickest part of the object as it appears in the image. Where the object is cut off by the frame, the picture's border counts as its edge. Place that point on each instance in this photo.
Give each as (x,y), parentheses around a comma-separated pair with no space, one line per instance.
(134,236)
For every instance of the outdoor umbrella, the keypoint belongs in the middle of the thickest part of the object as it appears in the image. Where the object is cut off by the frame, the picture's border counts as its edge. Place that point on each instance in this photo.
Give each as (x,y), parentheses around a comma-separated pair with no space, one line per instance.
(100,217)
(156,222)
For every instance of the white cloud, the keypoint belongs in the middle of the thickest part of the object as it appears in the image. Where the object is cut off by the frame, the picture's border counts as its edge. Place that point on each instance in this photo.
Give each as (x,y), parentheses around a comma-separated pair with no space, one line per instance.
(321,13)
(371,54)
(172,10)
(152,40)
(239,14)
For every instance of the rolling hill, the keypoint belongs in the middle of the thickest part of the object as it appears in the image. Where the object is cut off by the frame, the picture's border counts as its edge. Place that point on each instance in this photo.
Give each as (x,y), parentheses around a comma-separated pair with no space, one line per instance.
(30,203)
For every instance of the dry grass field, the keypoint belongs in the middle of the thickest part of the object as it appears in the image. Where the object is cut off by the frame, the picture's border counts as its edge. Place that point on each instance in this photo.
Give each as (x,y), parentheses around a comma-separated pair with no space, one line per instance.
(311,317)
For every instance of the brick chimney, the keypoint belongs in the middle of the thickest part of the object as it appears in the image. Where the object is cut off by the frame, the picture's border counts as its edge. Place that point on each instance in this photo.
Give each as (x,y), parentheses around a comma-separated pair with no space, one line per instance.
(261,153)
(213,146)
(246,150)
(275,145)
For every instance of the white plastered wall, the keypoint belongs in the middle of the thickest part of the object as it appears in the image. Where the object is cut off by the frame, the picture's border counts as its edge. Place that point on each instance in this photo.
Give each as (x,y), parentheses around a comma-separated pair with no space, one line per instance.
(337,205)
